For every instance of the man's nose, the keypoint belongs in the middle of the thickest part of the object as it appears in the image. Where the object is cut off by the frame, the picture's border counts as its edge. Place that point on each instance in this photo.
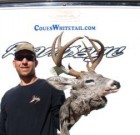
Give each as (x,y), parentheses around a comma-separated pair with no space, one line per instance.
(24,60)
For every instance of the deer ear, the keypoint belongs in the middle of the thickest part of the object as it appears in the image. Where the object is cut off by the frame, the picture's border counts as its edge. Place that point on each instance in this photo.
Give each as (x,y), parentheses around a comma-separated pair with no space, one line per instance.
(60,83)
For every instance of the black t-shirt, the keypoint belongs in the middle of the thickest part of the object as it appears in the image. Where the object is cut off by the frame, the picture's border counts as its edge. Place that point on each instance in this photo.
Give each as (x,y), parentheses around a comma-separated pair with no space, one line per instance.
(31,110)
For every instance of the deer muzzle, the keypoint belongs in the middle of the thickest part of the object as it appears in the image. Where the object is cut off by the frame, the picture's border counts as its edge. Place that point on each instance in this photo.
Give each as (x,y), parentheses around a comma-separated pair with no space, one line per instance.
(116,84)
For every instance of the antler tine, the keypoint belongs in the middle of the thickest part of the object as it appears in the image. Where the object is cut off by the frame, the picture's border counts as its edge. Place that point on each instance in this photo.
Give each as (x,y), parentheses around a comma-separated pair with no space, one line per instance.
(53,50)
(89,55)
(58,59)
(100,53)
(73,72)
(61,50)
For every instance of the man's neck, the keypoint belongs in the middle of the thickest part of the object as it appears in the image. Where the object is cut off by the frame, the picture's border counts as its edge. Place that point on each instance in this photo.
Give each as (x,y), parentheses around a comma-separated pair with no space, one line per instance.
(27,80)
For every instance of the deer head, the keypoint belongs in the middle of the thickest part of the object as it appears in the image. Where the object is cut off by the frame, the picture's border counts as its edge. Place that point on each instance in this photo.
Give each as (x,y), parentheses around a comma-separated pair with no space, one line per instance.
(87,77)
(88,89)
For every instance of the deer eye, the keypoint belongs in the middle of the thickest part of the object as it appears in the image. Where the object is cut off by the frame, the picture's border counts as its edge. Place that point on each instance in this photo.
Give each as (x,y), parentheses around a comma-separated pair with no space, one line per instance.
(89,81)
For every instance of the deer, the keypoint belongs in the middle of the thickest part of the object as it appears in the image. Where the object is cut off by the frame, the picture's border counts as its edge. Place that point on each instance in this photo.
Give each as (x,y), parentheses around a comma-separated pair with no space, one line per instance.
(88,89)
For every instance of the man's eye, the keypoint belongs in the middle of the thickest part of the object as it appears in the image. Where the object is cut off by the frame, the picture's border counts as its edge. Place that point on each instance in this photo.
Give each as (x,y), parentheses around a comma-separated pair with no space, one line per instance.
(89,81)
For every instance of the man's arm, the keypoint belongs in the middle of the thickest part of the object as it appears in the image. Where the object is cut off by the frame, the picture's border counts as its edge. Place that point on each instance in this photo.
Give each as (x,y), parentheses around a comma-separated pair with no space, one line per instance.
(58,99)
(2,120)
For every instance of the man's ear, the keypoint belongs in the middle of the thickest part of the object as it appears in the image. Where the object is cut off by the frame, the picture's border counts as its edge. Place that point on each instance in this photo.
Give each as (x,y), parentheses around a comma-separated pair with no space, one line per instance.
(14,63)
(36,63)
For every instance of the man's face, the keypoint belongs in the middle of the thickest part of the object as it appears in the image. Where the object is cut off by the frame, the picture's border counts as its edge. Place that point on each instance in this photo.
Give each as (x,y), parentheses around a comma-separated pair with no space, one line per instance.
(25,63)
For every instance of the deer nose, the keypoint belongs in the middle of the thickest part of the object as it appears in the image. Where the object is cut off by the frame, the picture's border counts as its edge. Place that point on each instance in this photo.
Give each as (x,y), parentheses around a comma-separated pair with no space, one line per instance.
(117,84)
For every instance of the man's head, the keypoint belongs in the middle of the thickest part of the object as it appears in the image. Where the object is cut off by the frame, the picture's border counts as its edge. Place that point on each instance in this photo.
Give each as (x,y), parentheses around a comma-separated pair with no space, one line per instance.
(25,59)
(24,46)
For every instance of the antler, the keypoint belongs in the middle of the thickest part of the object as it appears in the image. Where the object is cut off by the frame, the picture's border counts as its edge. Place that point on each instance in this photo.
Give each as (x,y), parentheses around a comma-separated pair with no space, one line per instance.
(100,53)
(58,59)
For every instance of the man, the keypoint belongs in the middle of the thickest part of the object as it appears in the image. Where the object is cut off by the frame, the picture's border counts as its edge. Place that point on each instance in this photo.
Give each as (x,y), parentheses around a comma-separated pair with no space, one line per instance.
(32,107)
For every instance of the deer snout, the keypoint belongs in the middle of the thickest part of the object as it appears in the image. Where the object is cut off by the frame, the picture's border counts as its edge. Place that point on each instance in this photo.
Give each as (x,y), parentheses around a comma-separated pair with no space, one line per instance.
(116,84)
(113,87)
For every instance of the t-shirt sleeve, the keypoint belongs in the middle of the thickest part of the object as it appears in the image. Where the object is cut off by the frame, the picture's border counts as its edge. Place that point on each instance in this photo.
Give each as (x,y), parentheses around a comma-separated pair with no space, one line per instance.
(58,98)
(2,118)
